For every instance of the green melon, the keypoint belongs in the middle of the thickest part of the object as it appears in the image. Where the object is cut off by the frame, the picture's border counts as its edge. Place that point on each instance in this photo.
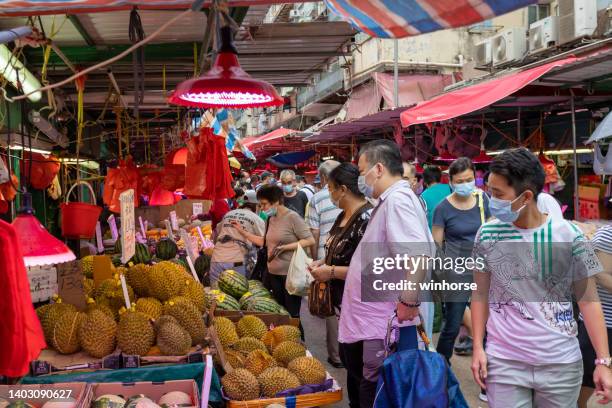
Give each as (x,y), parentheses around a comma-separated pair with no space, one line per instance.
(166,249)
(233,283)
(141,255)
(263,304)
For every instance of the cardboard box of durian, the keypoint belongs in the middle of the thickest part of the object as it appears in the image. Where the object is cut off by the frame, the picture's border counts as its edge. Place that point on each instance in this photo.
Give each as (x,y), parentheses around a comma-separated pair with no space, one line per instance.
(260,359)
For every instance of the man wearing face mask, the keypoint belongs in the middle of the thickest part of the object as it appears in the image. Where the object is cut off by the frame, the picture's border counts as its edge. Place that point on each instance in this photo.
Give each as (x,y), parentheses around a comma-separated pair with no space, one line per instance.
(398,226)
(533,264)
(455,223)
(293,199)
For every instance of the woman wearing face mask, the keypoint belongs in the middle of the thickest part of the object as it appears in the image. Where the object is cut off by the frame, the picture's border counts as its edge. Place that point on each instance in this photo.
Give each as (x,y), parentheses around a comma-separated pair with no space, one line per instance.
(285,229)
(343,239)
(455,223)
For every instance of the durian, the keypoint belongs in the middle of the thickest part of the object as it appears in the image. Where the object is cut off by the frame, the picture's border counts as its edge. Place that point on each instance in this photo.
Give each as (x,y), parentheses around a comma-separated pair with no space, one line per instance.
(66,332)
(235,358)
(226,331)
(194,291)
(276,379)
(247,344)
(164,280)
(173,340)
(240,385)
(189,317)
(257,361)
(137,277)
(149,306)
(308,370)
(163,319)
(251,326)
(87,266)
(50,315)
(135,333)
(98,334)
(88,287)
(286,351)
(103,307)
(279,334)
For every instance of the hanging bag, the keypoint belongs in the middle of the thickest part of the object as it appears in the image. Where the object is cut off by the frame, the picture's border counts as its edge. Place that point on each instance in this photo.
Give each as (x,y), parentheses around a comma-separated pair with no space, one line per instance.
(410,377)
(79,219)
(298,276)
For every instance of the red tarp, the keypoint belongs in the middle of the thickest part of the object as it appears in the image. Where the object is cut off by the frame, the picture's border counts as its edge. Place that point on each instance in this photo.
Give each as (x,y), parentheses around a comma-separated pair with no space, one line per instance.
(472,98)
(257,142)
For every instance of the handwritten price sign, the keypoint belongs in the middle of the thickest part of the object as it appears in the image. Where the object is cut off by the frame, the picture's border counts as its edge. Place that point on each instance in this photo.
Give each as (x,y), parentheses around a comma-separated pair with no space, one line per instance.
(128,225)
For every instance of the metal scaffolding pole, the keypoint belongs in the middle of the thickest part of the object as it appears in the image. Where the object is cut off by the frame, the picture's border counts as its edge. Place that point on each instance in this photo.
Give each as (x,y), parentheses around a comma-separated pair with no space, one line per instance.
(575,156)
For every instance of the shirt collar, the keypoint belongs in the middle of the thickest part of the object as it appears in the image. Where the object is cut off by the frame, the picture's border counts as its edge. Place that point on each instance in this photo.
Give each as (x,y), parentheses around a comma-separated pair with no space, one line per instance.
(394,187)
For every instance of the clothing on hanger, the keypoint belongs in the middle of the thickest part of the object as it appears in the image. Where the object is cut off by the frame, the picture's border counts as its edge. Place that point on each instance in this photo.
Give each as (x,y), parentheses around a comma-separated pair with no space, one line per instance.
(602,165)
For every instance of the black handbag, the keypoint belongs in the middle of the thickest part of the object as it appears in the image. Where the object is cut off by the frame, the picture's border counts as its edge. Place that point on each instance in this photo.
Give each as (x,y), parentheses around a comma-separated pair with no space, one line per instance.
(260,270)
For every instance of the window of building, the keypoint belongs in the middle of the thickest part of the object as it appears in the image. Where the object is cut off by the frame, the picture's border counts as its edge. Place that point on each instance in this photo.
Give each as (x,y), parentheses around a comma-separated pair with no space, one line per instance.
(537,12)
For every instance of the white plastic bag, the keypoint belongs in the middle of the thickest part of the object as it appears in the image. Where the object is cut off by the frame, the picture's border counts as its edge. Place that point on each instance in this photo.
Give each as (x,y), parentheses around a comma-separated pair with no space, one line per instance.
(4,174)
(298,276)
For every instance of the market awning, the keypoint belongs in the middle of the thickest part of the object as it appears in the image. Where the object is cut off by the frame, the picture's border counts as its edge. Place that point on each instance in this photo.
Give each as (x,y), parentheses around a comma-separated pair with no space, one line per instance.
(38,7)
(396,19)
(472,98)
(274,135)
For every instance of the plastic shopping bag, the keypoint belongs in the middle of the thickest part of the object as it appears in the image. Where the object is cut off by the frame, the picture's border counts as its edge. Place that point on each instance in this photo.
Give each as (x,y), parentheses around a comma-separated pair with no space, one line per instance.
(298,276)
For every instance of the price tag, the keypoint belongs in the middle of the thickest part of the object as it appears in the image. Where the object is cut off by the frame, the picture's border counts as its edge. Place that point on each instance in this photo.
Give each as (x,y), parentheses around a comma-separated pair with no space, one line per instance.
(201,234)
(131,361)
(126,296)
(142,227)
(102,269)
(197,209)
(191,252)
(128,227)
(70,284)
(174,220)
(169,230)
(193,271)
(112,223)
(99,240)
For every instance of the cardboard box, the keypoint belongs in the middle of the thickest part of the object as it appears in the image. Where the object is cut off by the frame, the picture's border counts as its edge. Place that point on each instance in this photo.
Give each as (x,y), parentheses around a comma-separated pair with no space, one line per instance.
(152,390)
(38,394)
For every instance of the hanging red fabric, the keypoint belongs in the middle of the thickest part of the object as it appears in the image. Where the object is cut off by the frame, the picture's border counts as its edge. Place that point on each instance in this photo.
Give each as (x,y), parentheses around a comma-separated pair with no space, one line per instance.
(118,180)
(21,336)
(44,169)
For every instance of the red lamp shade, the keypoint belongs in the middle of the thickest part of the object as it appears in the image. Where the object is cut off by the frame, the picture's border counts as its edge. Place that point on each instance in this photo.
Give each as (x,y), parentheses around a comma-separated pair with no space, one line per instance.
(226,85)
(38,247)
(482,158)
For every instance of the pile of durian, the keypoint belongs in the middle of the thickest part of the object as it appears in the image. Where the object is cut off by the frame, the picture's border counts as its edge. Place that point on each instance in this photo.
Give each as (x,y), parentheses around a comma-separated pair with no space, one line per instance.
(165,317)
(265,362)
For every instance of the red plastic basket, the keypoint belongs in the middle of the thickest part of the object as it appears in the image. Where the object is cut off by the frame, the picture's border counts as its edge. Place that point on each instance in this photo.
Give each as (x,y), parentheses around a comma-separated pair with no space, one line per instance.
(79,219)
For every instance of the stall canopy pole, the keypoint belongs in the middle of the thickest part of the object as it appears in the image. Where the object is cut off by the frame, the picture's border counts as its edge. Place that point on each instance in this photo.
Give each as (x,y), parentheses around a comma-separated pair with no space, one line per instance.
(518,126)
(395,74)
(576,204)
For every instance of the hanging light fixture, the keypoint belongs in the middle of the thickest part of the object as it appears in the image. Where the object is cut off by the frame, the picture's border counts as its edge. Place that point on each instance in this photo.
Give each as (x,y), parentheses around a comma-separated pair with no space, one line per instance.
(37,245)
(482,157)
(226,85)
(446,157)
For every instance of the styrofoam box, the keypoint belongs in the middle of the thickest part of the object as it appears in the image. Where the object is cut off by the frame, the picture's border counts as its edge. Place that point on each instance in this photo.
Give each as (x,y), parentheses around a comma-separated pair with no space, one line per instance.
(152,390)
(38,394)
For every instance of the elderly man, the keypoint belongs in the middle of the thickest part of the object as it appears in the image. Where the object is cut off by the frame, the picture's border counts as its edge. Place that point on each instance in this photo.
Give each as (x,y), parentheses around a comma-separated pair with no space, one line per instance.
(398,227)
(293,199)
(322,214)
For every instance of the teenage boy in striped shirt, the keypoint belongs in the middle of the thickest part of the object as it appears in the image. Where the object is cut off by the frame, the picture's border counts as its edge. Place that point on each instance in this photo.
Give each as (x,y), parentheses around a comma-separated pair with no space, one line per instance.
(532,263)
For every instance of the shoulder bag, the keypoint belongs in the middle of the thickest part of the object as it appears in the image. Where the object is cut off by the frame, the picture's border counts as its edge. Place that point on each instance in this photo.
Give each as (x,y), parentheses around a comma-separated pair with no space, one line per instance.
(260,270)
(320,299)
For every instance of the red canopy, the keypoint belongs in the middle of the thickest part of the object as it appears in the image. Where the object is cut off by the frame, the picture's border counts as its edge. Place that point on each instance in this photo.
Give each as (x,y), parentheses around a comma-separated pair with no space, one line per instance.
(267,138)
(472,98)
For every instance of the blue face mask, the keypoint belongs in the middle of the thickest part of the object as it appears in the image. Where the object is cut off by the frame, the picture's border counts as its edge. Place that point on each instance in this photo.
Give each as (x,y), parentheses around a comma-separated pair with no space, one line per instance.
(464,189)
(288,188)
(502,209)
(365,189)
(270,212)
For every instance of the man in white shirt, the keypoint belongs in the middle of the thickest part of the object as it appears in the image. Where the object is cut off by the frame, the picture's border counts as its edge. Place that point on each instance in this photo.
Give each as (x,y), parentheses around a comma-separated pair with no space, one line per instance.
(547,204)
(321,215)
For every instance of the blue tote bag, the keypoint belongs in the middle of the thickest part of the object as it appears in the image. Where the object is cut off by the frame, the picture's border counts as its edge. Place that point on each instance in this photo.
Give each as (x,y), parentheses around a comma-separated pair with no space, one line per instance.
(413,378)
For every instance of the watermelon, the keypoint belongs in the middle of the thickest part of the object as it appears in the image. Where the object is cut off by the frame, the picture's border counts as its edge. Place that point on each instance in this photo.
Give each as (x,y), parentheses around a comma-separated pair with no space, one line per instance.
(223,300)
(254,283)
(263,304)
(182,262)
(233,283)
(252,294)
(202,265)
(142,254)
(166,249)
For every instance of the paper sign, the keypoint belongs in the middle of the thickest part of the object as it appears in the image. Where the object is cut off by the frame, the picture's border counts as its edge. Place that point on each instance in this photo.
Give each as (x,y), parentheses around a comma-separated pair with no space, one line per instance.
(197,209)
(102,269)
(140,239)
(142,227)
(191,251)
(70,284)
(193,271)
(201,236)
(174,220)
(126,296)
(99,240)
(128,226)
(207,381)
(169,230)
(113,227)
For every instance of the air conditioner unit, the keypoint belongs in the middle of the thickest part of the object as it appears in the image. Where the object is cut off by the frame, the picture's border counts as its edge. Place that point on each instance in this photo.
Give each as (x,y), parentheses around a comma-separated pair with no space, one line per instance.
(508,46)
(483,53)
(577,19)
(543,33)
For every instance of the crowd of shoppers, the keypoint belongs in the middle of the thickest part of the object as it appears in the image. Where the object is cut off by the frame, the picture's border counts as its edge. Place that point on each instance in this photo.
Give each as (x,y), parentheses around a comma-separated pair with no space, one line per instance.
(537,352)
